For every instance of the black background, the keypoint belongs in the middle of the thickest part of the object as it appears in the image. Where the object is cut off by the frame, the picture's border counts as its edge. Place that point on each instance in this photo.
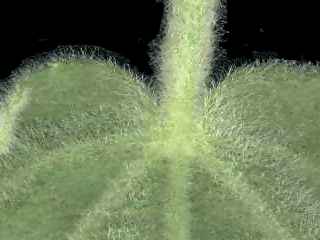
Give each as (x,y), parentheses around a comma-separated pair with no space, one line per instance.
(247,29)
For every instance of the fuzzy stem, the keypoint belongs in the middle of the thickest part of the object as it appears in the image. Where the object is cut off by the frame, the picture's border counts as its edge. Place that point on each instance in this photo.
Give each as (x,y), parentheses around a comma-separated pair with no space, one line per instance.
(186,53)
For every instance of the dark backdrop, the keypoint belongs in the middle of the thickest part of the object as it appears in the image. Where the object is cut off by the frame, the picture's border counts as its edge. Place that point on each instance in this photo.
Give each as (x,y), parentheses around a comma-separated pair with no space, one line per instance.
(248,30)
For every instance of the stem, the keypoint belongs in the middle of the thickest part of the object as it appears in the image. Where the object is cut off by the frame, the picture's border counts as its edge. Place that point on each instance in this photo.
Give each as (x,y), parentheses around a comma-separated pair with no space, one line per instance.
(186,60)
